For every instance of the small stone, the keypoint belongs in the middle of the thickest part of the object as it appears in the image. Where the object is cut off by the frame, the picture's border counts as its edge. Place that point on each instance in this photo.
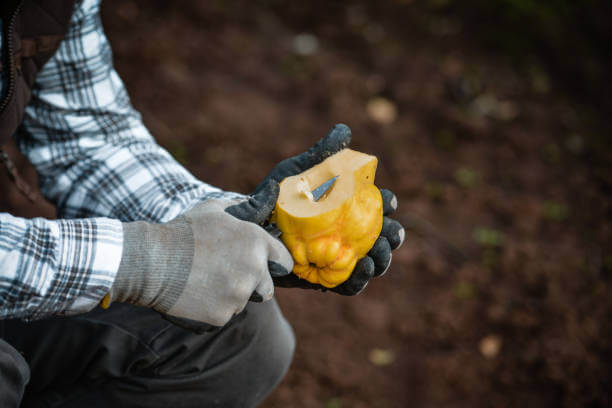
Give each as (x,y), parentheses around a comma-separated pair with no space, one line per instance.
(305,44)
(488,105)
(490,346)
(382,110)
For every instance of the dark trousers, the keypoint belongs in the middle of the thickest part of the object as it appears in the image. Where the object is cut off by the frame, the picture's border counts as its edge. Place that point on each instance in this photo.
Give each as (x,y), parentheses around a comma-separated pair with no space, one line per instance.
(132,357)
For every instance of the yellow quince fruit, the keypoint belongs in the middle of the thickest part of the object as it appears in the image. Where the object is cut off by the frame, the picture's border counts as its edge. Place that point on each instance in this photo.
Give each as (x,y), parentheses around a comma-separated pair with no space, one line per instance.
(327,237)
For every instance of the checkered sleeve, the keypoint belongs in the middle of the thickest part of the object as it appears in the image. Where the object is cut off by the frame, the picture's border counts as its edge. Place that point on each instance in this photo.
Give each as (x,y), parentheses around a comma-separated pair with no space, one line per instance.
(92,152)
(98,163)
(56,267)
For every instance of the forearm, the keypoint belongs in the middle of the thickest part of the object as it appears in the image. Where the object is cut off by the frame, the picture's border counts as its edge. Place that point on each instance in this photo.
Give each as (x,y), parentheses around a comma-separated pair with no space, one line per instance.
(56,267)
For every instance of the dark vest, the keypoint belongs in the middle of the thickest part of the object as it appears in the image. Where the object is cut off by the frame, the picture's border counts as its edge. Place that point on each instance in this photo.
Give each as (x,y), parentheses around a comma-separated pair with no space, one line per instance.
(33,30)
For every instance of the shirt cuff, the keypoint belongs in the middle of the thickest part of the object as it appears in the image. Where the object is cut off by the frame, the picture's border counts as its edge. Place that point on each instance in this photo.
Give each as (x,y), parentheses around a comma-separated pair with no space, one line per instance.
(89,252)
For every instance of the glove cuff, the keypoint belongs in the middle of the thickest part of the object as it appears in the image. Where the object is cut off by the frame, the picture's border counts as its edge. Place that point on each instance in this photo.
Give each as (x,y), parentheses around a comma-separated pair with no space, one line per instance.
(155,263)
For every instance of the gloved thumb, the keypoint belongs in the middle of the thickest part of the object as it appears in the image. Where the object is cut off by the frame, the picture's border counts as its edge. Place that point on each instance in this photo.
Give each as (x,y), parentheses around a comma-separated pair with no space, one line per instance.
(280,261)
(337,139)
(258,207)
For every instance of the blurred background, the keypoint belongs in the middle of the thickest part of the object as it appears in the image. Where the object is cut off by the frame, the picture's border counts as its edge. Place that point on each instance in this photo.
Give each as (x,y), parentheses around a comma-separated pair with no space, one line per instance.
(490,122)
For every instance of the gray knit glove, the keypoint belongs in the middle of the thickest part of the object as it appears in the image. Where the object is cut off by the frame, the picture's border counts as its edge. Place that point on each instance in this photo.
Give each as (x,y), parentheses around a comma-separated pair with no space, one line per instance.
(204,265)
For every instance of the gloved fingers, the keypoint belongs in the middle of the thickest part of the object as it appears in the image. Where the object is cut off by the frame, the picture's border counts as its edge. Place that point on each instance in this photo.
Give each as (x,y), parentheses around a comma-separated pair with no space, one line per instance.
(273,259)
(280,261)
(273,230)
(293,281)
(363,272)
(287,281)
(259,206)
(265,288)
(389,201)
(277,270)
(337,139)
(381,255)
(393,231)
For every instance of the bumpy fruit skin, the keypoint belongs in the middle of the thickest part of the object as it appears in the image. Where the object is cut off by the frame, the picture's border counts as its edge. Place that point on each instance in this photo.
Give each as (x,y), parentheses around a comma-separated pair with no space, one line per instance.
(326,247)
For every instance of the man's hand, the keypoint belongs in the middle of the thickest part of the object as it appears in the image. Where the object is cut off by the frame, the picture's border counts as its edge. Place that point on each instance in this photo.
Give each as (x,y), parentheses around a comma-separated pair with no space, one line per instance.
(206,264)
(391,237)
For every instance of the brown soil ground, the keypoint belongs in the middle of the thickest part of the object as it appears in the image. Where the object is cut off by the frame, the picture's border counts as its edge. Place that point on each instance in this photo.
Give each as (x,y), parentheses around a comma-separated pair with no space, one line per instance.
(501,293)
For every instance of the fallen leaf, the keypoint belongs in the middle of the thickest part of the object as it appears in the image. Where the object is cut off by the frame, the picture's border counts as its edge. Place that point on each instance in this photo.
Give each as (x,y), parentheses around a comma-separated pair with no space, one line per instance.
(381,357)
(333,403)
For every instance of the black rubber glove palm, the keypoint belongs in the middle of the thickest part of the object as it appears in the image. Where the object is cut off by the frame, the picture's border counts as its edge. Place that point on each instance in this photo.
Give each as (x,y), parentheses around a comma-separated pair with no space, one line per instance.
(391,237)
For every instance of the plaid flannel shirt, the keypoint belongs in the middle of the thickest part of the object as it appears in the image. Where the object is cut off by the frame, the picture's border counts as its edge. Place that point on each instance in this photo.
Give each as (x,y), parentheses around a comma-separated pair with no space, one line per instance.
(98,163)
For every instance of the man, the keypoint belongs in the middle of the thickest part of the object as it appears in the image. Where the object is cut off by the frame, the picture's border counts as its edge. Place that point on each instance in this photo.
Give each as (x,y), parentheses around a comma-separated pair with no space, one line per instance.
(178,259)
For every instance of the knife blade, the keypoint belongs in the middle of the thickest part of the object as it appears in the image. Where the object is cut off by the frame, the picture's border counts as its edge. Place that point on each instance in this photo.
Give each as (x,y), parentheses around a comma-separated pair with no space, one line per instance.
(317,193)
(320,191)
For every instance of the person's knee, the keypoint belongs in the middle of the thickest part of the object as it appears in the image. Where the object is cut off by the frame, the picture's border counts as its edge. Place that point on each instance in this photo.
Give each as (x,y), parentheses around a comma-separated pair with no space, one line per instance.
(271,350)
(279,350)
(238,365)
